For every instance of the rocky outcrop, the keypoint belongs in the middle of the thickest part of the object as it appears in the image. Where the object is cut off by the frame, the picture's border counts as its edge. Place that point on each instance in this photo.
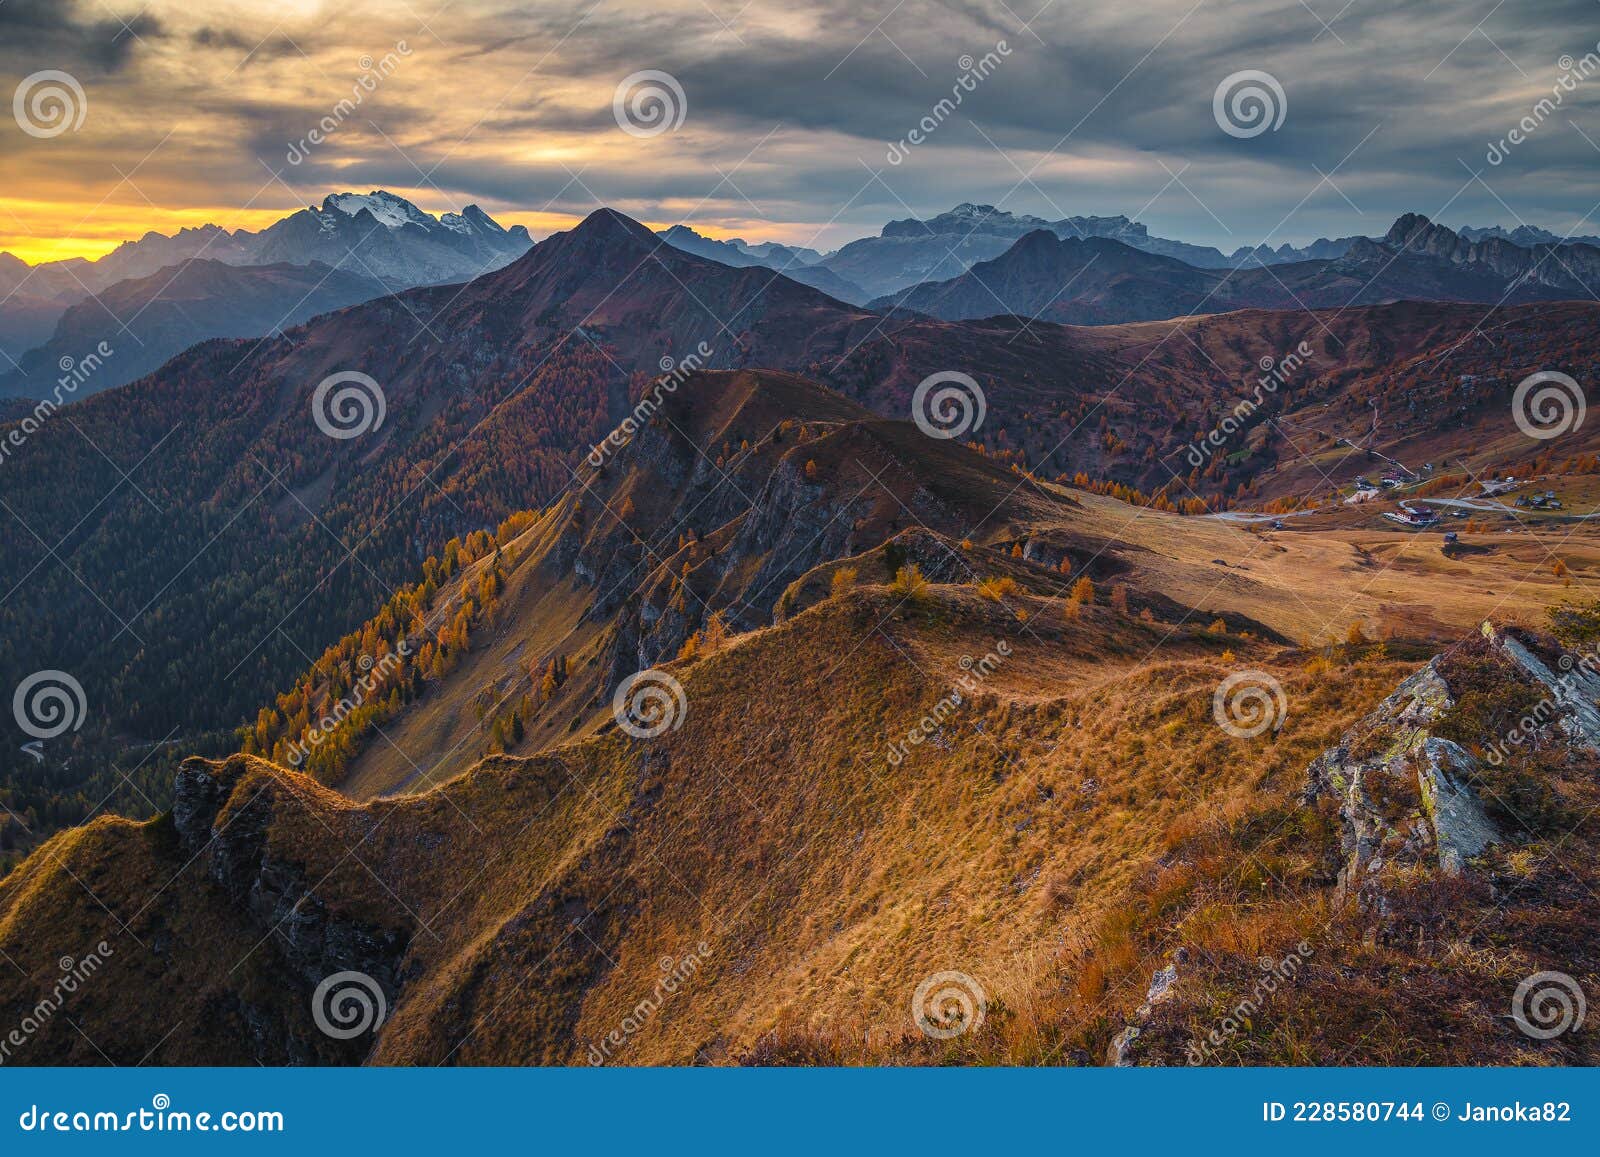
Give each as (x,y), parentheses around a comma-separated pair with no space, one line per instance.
(1573,693)
(1406,794)
(1562,267)
(224,814)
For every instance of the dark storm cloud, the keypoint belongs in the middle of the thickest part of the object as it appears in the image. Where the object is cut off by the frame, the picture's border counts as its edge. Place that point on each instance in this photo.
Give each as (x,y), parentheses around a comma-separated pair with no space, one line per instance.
(1414,91)
(793,106)
(245,48)
(64,34)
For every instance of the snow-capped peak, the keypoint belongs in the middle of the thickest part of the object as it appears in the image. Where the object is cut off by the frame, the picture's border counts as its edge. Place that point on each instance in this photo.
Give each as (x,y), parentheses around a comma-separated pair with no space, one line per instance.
(386,207)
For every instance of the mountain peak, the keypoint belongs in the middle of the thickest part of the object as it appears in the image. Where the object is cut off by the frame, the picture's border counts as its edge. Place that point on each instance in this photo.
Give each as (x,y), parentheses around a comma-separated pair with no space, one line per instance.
(1037,241)
(391,210)
(471,219)
(1407,226)
(607,226)
(967,218)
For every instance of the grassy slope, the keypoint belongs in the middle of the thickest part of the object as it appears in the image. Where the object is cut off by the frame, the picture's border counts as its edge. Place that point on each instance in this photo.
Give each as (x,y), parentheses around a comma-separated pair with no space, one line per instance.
(1073,822)
(180,980)
(868,480)
(1300,586)
(539,895)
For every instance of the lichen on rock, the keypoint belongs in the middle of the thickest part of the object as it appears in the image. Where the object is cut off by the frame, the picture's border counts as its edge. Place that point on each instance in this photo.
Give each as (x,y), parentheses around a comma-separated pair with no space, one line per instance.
(1406,794)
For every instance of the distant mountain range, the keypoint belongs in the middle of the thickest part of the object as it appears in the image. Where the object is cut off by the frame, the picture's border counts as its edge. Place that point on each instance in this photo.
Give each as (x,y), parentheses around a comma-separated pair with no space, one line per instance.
(161,294)
(377,238)
(796,264)
(1098,280)
(914,250)
(492,391)
(145,321)
(378,234)
(1527,235)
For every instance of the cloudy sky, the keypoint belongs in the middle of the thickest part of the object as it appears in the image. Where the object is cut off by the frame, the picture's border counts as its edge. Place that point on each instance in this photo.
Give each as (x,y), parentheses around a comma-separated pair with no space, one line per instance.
(200,110)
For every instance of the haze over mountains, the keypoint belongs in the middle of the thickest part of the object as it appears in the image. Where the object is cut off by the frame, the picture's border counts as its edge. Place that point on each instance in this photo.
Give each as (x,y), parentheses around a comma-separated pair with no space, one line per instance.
(493,389)
(802,265)
(144,300)
(1097,281)
(145,321)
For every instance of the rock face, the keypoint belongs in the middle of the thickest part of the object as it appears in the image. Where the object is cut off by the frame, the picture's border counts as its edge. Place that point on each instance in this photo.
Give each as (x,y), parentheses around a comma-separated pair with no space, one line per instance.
(1405,794)
(1528,271)
(233,844)
(1574,692)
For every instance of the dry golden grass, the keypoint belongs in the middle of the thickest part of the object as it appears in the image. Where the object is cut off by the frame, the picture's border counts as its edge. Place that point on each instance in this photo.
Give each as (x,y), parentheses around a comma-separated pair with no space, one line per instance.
(1023,848)
(1067,817)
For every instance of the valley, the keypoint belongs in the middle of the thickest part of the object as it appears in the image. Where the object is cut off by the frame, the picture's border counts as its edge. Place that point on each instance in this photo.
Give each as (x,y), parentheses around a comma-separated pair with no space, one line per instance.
(1055,835)
(651,629)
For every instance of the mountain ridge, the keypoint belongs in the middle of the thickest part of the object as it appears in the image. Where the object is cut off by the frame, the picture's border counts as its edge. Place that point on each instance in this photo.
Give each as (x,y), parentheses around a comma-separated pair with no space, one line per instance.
(1042,275)
(496,389)
(407,249)
(767,850)
(177,307)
